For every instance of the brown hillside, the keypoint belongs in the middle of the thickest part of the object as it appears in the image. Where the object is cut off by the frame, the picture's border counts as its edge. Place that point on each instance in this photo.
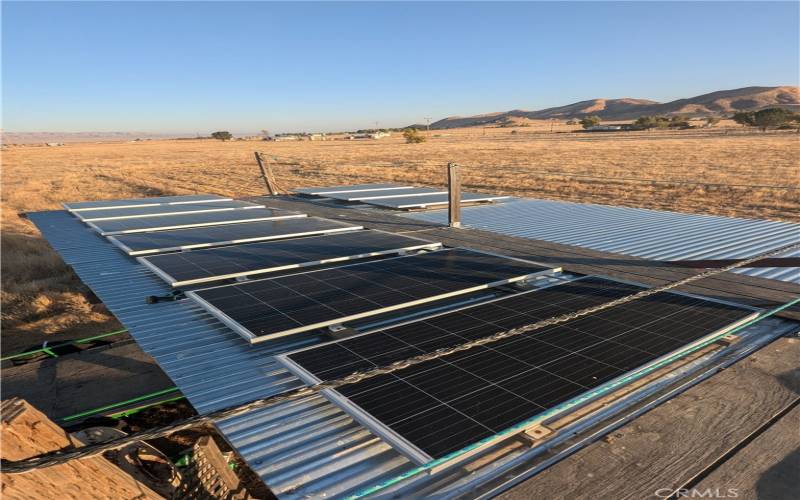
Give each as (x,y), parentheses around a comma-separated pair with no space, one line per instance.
(722,102)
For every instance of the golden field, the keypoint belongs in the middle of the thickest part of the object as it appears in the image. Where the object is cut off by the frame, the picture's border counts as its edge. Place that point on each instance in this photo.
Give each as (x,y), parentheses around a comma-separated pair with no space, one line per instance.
(41,299)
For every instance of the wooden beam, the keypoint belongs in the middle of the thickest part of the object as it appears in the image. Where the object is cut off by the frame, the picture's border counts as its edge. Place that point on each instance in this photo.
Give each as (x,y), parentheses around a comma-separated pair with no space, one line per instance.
(665,448)
(266,174)
(454,195)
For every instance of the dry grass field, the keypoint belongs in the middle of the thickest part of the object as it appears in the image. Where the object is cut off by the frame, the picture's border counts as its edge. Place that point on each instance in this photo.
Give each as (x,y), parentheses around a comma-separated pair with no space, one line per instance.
(41,299)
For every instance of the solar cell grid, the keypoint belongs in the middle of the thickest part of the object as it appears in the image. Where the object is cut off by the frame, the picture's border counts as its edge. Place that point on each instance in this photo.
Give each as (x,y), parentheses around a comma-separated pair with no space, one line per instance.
(216,264)
(439,407)
(159,210)
(167,222)
(212,236)
(268,308)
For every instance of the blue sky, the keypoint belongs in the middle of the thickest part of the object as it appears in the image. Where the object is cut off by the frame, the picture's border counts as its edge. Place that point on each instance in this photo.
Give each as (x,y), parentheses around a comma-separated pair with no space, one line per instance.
(202,66)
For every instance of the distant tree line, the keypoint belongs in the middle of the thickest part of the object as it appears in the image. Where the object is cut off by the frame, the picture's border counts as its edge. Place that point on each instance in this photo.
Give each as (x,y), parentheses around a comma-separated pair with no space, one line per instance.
(768,118)
(763,119)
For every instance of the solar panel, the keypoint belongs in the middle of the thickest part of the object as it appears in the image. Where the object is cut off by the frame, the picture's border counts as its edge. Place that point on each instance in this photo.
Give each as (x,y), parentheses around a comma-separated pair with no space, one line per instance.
(159,210)
(439,200)
(319,191)
(269,308)
(203,266)
(165,222)
(437,409)
(142,202)
(229,234)
(378,194)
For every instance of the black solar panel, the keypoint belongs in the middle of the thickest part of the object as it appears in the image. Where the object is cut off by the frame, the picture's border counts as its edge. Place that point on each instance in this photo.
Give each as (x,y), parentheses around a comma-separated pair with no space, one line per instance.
(439,200)
(440,407)
(165,222)
(202,266)
(325,190)
(139,202)
(213,236)
(159,210)
(269,308)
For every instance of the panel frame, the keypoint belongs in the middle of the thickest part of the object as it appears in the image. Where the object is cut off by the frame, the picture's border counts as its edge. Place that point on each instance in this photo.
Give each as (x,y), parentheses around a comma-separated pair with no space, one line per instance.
(255,339)
(190,225)
(88,217)
(154,204)
(423,245)
(142,253)
(408,206)
(323,193)
(422,459)
(380,197)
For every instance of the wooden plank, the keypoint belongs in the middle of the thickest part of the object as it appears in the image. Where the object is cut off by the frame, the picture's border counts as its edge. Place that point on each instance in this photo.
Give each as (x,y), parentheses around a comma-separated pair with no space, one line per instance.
(27,432)
(453,195)
(768,467)
(673,443)
(67,385)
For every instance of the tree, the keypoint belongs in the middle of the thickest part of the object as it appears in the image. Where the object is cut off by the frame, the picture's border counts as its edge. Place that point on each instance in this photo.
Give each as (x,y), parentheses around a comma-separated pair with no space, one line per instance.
(413,136)
(678,121)
(648,122)
(746,118)
(222,135)
(590,121)
(265,133)
(711,121)
(771,117)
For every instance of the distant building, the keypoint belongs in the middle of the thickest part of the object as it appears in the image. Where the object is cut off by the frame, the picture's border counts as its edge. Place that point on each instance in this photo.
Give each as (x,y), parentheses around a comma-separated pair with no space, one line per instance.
(288,137)
(604,128)
(318,137)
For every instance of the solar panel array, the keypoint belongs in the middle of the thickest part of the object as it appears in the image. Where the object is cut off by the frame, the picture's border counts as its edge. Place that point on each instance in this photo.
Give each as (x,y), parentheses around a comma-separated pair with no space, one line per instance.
(439,407)
(202,266)
(142,202)
(270,308)
(165,222)
(159,210)
(213,236)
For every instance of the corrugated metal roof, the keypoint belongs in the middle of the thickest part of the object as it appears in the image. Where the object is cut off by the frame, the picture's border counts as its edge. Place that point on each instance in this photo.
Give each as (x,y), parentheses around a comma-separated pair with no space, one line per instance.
(650,234)
(300,449)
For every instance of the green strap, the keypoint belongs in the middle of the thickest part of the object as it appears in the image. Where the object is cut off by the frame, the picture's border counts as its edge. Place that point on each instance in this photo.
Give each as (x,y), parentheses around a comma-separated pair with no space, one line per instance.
(105,408)
(47,350)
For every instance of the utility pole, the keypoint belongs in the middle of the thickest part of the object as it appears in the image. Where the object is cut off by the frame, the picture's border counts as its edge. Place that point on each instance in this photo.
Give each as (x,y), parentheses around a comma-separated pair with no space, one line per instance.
(427,126)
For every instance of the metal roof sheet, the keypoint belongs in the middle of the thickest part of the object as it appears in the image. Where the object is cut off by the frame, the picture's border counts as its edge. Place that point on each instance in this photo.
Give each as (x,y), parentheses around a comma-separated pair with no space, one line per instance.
(650,234)
(302,448)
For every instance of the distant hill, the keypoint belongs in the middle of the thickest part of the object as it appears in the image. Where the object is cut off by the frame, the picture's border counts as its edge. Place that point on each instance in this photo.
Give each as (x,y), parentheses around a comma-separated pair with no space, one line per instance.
(723,102)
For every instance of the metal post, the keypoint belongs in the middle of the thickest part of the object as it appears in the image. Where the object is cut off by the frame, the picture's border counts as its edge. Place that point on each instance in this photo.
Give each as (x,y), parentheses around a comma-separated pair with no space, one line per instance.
(266,174)
(454,195)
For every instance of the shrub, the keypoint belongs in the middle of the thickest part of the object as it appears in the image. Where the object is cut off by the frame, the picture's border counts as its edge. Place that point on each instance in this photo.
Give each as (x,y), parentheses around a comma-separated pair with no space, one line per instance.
(413,136)
(590,121)
(222,135)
